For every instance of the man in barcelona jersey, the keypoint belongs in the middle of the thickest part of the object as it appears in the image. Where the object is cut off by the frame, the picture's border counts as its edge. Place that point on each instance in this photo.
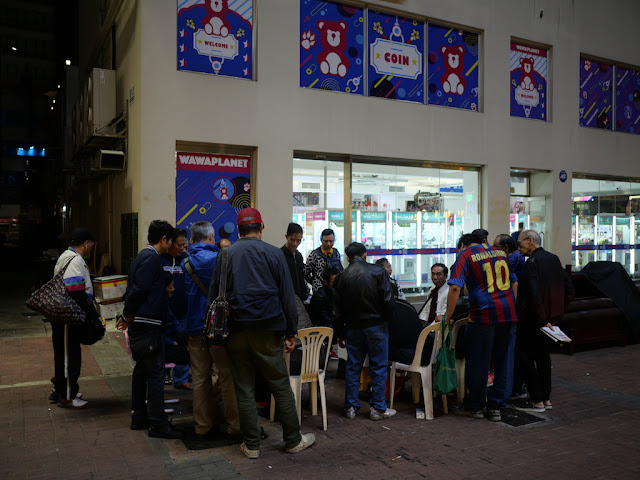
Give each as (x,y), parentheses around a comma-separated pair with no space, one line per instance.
(492,324)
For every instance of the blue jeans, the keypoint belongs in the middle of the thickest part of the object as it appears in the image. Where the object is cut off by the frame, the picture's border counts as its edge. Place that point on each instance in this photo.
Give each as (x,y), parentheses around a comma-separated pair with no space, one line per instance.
(480,341)
(360,342)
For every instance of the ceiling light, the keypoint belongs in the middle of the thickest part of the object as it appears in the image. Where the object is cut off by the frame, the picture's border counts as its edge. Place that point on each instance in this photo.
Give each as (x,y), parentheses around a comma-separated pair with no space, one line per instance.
(67,62)
(14,49)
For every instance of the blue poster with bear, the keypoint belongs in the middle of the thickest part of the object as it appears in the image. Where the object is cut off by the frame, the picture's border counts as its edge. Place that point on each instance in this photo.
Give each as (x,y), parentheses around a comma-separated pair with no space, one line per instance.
(528,66)
(216,37)
(396,51)
(331,46)
(596,94)
(212,188)
(453,67)
(627,100)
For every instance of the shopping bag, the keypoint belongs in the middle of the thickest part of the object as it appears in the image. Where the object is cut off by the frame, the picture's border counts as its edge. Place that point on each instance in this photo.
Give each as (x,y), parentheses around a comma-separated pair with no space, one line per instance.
(445,379)
(53,301)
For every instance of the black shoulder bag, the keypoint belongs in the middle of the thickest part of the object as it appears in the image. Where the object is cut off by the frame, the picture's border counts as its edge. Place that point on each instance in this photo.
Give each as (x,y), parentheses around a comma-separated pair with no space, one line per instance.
(216,327)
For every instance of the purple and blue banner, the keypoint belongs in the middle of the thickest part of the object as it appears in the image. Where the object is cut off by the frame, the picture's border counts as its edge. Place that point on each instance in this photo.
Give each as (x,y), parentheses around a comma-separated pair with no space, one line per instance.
(396,52)
(331,46)
(453,67)
(627,100)
(213,188)
(528,66)
(216,37)
(596,94)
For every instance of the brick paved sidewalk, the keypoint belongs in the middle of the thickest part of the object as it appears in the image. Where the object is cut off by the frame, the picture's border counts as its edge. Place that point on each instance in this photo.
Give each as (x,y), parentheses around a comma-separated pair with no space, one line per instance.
(592,432)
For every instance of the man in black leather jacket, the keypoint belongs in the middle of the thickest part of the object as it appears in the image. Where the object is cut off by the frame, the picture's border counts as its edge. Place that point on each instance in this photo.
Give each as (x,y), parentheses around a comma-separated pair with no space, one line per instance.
(364,305)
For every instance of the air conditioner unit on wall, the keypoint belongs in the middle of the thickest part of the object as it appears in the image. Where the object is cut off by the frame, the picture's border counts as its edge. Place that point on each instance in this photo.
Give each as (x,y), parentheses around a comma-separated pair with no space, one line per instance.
(100,99)
(108,161)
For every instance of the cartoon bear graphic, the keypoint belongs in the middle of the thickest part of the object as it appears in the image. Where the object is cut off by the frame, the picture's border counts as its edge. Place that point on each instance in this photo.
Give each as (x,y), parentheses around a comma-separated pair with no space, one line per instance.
(215,23)
(453,80)
(333,38)
(526,80)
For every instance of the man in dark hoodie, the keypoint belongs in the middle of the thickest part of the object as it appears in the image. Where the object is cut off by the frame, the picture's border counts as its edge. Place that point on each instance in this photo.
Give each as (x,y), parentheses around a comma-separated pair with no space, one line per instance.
(145,315)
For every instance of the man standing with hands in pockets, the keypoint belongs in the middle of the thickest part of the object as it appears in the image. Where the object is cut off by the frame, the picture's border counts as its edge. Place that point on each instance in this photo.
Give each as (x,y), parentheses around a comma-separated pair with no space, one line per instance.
(263,316)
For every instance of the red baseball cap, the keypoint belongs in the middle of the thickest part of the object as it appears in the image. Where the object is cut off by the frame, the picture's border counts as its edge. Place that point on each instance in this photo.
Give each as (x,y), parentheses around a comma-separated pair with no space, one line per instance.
(248,216)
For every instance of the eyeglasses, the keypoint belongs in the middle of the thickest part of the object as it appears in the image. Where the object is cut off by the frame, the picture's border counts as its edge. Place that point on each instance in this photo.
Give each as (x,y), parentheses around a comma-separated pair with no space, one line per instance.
(523,240)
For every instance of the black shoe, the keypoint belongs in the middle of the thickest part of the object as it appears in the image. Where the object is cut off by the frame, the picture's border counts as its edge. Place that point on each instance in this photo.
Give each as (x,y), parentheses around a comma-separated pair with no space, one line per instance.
(139,424)
(165,431)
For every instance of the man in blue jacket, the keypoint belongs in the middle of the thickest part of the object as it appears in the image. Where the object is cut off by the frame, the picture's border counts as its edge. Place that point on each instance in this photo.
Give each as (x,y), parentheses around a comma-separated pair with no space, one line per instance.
(263,313)
(197,268)
(145,315)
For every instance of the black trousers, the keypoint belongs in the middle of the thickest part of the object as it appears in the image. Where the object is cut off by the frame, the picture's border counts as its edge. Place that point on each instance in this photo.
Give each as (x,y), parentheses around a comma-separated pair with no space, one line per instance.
(533,362)
(74,351)
(147,381)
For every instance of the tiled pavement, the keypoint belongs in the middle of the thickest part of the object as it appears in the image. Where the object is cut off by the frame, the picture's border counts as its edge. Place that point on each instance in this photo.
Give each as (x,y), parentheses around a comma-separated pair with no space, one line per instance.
(592,432)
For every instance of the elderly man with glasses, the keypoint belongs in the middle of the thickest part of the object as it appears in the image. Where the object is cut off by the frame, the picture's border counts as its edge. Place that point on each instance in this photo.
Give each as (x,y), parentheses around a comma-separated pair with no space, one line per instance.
(544,289)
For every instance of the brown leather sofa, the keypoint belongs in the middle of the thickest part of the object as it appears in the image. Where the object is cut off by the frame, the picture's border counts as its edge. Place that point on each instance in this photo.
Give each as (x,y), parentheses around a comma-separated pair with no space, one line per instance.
(591,317)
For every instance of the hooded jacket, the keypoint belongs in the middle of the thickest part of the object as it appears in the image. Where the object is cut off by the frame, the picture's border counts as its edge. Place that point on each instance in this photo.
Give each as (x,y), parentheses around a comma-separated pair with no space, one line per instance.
(202,257)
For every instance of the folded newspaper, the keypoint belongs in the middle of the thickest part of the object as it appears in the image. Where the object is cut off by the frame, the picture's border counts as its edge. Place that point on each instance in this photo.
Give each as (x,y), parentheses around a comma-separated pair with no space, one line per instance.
(556,334)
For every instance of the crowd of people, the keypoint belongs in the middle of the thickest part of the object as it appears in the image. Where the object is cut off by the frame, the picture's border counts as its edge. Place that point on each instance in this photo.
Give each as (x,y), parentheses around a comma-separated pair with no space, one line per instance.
(172,284)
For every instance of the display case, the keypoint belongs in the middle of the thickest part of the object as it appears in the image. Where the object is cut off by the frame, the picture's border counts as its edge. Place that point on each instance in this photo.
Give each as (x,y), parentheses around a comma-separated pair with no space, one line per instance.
(604,237)
(621,241)
(405,236)
(583,240)
(373,229)
(433,234)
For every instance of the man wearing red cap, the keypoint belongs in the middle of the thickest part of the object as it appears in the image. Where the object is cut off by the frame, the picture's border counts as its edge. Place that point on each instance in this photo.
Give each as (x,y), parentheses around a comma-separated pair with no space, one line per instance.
(263,315)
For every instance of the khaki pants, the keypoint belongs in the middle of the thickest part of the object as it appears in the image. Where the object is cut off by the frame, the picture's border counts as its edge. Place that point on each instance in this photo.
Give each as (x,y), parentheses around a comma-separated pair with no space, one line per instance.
(206,393)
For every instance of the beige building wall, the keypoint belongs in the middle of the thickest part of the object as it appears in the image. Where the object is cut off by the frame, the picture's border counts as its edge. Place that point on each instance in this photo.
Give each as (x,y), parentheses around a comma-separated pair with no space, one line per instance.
(278,117)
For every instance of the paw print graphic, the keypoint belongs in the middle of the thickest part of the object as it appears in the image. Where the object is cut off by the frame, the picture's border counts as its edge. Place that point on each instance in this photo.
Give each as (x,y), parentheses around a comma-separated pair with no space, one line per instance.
(308,40)
(587,65)
(246,187)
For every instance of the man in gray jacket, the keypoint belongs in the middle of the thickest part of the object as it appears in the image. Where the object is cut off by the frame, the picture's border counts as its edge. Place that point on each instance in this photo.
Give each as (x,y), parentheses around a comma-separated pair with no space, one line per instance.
(262,314)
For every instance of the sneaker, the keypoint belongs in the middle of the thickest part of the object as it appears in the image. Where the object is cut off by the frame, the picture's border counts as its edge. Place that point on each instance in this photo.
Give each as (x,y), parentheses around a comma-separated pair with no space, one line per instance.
(519,396)
(376,415)
(184,386)
(470,413)
(547,405)
(527,406)
(252,454)
(76,403)
(306,441)
(55,396)
(350,413)
(165,431)
(420,415)
(494,415)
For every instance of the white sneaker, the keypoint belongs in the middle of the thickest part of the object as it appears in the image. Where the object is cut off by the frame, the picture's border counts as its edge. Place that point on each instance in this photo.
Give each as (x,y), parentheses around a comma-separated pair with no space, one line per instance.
(76,403)
(376,415)
(306,441)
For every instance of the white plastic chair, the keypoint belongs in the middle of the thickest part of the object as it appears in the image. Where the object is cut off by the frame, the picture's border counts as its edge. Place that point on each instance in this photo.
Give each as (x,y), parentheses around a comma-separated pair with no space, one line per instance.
(460,362)
(425,372)
(311,371)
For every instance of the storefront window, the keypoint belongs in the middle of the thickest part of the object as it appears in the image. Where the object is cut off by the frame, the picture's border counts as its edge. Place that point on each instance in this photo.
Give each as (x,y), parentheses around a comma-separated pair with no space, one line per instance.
(604,227)
(411,215)
(318,201)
